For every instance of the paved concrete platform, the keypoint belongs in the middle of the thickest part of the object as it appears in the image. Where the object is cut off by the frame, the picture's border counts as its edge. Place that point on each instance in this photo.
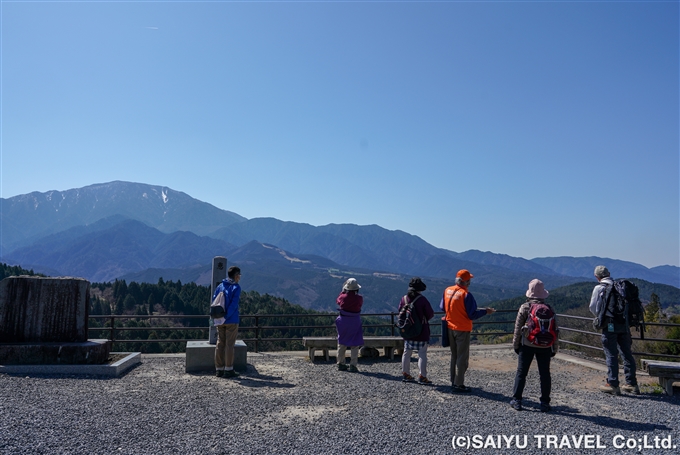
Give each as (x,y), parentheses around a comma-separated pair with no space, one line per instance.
(113,370)
(200,356)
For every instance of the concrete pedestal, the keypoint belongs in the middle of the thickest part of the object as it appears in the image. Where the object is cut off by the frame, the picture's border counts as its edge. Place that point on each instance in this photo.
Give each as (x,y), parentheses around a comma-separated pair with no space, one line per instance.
(200,356)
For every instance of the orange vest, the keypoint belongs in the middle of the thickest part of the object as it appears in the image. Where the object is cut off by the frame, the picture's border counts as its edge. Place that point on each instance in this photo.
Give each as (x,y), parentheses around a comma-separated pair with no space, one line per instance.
(454,305)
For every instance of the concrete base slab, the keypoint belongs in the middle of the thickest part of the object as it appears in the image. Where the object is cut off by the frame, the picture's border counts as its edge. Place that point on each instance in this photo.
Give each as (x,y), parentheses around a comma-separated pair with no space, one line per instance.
(113,370)
(200,356)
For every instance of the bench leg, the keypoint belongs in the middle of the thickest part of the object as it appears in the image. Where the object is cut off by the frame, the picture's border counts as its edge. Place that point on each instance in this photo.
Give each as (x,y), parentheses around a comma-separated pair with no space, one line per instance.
(325,353)
(389,352)
(311,354)
(667,384)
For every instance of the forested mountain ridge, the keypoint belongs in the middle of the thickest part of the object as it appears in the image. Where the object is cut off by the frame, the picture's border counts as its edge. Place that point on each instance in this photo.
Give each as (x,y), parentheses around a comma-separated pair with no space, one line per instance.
(113,247)
(144,232)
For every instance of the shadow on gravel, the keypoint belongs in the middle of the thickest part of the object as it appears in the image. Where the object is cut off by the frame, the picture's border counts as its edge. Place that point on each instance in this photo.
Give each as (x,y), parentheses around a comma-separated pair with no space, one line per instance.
(384,376)
(256,380)
(660,398)
(607,421)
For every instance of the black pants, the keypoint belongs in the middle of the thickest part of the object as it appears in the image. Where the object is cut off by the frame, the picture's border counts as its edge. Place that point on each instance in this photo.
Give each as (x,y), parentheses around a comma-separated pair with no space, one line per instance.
(526,356)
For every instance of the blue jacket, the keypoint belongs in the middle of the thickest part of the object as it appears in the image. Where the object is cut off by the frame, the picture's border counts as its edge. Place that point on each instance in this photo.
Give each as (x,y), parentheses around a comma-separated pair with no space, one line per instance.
(232,293)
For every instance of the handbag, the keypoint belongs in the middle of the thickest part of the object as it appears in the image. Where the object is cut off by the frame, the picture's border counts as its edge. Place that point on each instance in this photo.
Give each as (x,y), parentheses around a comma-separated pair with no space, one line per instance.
(445,333)
(217,310)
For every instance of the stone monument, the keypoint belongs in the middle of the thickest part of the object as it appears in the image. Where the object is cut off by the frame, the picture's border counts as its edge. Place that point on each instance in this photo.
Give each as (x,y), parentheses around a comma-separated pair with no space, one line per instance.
(44,321)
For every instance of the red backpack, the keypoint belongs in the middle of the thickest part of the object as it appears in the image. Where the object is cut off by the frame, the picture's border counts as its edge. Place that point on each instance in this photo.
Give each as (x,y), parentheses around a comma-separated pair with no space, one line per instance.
(541,323)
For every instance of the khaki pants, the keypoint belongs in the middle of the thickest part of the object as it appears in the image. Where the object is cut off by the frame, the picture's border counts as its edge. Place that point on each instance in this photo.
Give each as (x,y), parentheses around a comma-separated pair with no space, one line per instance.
(459,342)
(224,351)
(354,354)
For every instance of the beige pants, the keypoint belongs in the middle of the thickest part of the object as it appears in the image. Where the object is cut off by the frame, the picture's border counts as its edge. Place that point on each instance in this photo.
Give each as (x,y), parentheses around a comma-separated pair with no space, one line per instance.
(354,353)
(224,351)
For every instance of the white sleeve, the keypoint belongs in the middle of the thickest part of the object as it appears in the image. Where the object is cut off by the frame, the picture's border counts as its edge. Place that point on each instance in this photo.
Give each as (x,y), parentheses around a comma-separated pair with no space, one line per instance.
(595,299)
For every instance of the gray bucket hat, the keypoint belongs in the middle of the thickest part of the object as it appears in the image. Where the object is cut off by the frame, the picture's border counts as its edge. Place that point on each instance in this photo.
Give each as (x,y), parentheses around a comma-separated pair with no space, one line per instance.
(351,285)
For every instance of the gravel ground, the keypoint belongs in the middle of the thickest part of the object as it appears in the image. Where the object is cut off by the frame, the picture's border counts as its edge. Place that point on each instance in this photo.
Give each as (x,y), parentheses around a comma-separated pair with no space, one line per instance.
(285,404)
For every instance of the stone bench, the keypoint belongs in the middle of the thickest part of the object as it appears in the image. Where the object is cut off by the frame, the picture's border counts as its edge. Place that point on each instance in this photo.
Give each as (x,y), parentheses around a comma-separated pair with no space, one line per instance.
(667,372)
(200,356)
(389,344)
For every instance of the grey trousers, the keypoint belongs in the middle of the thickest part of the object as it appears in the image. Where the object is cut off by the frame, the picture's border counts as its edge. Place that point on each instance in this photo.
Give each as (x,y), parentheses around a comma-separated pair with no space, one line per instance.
(459,343)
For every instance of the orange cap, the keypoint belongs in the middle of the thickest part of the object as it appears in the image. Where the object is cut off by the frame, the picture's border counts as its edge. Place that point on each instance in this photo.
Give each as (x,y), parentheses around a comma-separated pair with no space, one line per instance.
(464,275)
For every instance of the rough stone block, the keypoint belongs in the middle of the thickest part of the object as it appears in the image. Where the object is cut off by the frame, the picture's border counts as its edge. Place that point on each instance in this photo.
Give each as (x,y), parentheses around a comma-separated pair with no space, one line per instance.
(36,309)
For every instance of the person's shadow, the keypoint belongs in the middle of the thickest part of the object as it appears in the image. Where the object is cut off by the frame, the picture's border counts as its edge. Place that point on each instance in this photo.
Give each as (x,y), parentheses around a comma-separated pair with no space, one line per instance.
(252,378)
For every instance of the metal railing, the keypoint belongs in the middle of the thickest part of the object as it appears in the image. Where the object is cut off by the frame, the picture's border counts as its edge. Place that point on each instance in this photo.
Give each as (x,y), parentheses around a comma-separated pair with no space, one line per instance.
(253,323)
(637,338)
(255,326)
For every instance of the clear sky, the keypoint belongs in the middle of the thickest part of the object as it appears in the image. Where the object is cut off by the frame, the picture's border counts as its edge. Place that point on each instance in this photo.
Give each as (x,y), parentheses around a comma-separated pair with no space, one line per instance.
(526,128)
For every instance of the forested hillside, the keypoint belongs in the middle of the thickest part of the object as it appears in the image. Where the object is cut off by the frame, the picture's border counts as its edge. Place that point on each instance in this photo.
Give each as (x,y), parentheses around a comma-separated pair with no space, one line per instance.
(14,270)
(169,298)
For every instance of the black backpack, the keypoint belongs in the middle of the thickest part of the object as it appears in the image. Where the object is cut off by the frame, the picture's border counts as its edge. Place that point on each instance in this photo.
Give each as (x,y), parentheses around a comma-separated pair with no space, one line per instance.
(635,310)
(623,302)
(408,322)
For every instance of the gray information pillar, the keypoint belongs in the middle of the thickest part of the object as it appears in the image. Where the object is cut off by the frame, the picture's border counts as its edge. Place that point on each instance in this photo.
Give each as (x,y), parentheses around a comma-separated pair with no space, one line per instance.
(219,272)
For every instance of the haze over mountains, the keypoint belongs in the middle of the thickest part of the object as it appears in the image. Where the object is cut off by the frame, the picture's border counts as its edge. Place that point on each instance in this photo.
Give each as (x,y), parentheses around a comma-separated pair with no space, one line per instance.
(142,232)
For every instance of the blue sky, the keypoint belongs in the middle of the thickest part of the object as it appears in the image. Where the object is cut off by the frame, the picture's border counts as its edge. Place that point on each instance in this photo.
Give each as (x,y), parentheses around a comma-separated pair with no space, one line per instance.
(525,128)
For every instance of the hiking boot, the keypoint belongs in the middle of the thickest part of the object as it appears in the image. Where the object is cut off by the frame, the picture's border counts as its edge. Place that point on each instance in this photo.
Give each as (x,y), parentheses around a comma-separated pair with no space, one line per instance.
(219,373)
(460,389)
(407,378)
(423,380)
(353,369)
(634,389)
(231,374)
(545,407)
(516,404)
(610,389)
(342,366)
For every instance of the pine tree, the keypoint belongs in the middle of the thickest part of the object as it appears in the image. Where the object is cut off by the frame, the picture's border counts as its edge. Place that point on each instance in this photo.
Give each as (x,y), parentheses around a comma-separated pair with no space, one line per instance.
(129,303)
(653,310)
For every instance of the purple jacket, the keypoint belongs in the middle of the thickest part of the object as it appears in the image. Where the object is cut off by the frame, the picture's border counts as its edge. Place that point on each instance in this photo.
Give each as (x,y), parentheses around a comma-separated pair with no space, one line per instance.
(350,301)
(424,311)
(350,332)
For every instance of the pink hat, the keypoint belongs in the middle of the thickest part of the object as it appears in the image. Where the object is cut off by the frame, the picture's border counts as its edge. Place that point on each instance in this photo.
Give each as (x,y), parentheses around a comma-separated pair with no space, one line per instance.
(536,290)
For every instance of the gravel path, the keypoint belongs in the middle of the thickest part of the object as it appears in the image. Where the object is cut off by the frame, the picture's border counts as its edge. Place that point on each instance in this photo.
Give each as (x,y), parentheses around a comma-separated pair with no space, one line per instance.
(285,404)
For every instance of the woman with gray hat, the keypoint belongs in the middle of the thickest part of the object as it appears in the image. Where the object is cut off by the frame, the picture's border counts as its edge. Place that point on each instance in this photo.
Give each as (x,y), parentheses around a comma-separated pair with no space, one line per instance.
(348,323)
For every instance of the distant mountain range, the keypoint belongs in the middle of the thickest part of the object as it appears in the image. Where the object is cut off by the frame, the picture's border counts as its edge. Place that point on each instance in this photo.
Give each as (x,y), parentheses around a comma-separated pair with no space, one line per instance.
(142,232)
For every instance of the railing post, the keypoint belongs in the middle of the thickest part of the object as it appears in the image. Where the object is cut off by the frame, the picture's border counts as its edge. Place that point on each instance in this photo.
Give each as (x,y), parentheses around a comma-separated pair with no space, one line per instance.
(257,333)
(113,329)
(392,317)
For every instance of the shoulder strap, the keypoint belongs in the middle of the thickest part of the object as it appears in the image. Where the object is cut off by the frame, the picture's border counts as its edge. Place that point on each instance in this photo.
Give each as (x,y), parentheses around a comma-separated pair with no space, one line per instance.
(449,301)
(410,303)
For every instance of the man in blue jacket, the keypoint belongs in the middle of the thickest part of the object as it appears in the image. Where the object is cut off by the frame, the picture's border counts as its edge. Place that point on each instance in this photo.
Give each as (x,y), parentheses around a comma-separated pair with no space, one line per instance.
(227,327)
